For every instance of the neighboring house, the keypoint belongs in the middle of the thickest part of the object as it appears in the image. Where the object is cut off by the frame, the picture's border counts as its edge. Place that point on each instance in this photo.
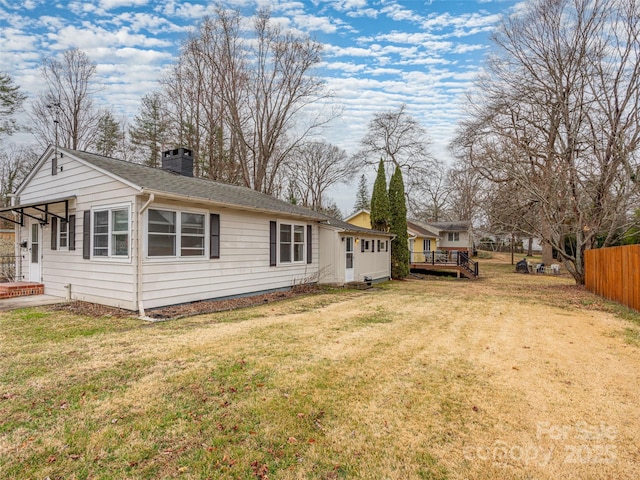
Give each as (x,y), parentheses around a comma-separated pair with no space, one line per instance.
(454,236)
(426,237)
(102,230)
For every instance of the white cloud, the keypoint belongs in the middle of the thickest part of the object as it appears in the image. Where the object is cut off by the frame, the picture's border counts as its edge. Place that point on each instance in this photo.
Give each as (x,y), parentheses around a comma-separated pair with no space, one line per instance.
(112,4)
(91,36)
(398,13)
(310,23)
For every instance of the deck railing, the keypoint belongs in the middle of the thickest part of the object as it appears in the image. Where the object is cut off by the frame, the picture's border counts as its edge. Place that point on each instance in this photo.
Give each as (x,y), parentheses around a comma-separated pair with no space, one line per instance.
(451,257)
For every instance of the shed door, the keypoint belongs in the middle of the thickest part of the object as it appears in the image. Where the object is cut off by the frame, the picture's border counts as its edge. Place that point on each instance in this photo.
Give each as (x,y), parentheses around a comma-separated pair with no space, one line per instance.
(348,273)
(35,253)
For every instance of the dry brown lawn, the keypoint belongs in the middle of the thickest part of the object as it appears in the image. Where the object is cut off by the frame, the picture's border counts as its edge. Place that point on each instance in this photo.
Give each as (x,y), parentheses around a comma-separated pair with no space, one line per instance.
(511,376)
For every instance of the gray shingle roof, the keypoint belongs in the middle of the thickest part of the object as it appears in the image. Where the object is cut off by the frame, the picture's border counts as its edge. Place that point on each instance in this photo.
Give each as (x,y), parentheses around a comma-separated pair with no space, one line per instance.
(451,226)
(190,187)
(422,228)
(348,227)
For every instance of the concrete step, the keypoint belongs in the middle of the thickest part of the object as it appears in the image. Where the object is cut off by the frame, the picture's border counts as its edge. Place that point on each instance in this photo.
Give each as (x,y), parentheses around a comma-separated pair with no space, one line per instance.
(20,289)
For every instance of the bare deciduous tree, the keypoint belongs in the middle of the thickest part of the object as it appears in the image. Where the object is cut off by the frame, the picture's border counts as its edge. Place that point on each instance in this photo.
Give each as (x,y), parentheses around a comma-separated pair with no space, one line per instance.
(15,164)
(315,167)
(400,140)
(429,198)
(241,101)
(67,102)
(559,120)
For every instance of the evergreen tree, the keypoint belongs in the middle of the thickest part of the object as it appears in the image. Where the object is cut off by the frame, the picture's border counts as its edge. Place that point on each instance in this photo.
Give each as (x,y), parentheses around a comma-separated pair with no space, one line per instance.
(10,101)
(380,209)
(150,131)
(362,196)
(108,135)
(399,245)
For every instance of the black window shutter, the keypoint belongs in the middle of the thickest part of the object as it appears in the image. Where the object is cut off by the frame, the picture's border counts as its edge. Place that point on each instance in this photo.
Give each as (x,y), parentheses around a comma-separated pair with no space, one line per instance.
(72,232)
(54,233)
(86,235)
(273,240)
(362,244)
(309,244)
(214,229)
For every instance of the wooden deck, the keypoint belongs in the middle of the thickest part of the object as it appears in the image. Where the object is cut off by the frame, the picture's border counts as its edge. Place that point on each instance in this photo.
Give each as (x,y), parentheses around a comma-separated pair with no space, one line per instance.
(443,267)
(452,261)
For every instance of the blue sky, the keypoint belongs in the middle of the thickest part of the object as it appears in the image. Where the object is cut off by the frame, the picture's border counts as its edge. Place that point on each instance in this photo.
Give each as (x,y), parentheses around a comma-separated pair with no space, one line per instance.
(377,54)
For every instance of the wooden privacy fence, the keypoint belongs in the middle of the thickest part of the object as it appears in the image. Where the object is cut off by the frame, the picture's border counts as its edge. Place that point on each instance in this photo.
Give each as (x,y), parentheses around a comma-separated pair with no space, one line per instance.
(614,273)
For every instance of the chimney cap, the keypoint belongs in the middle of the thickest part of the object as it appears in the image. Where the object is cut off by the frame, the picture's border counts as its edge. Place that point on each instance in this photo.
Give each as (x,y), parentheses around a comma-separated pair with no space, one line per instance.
(178,152)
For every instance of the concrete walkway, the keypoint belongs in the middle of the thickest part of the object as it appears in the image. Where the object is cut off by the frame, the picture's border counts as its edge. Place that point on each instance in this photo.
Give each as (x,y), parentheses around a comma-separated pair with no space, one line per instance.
(28,301)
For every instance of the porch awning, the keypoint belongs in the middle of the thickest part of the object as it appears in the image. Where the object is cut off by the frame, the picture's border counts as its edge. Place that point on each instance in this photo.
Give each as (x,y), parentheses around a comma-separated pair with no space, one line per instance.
(37,210)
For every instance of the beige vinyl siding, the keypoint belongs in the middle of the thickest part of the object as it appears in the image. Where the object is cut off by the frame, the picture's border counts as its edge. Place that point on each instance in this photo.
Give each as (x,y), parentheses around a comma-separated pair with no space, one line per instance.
(376,265)
(463,241)
(332,256)
(243,266)
(106,281)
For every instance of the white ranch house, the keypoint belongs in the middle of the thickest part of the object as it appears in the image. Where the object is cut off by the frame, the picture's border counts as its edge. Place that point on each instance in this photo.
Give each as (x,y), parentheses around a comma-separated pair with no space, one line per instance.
(103,230)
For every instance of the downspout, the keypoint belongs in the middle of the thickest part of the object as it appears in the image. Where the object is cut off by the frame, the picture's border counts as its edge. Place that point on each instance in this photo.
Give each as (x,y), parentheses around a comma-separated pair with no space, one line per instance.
(139,255)
(17,240)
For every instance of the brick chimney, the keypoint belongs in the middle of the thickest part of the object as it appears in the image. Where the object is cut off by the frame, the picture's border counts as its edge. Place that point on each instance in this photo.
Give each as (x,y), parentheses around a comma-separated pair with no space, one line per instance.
(178,160)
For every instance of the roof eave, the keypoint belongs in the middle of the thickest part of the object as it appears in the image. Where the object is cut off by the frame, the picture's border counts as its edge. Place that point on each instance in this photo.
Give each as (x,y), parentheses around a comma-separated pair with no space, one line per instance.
(235,206)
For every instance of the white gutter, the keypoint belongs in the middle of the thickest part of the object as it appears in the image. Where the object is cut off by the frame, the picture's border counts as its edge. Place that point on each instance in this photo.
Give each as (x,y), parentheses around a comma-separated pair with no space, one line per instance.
(139,254)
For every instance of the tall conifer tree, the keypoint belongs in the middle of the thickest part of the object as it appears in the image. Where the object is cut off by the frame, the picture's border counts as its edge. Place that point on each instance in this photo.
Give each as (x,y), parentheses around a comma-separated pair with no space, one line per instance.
(399,245)
(362,196)
(380,210)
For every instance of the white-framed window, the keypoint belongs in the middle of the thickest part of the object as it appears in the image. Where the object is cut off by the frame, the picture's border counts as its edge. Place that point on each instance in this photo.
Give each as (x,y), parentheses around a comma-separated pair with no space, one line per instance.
(292,243)
(382,245)
(111,232)
(172,233)
(454,236)
(426,244)
(63,234)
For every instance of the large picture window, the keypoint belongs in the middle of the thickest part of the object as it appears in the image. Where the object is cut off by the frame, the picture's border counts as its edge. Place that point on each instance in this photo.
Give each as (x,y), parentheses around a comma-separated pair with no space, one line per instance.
(170,232)
(292,243)
(110,233)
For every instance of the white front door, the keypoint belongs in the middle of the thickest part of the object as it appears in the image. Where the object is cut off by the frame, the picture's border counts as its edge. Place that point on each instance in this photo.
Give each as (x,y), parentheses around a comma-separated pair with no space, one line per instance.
(35,247)
(348,273)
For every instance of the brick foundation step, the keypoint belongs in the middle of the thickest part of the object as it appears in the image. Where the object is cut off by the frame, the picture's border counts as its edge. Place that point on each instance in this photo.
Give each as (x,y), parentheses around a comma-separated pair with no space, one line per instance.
(20,289)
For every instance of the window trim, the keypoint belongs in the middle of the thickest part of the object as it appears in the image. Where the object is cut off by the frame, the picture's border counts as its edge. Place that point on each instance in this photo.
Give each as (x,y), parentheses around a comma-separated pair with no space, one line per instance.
(177,256)
(292,243)
(109,209)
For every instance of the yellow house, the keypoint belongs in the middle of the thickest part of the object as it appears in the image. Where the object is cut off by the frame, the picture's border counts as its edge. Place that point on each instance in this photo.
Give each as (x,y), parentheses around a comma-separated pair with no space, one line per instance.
(422,241)
(425,238)
(361,219)
(421,238)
